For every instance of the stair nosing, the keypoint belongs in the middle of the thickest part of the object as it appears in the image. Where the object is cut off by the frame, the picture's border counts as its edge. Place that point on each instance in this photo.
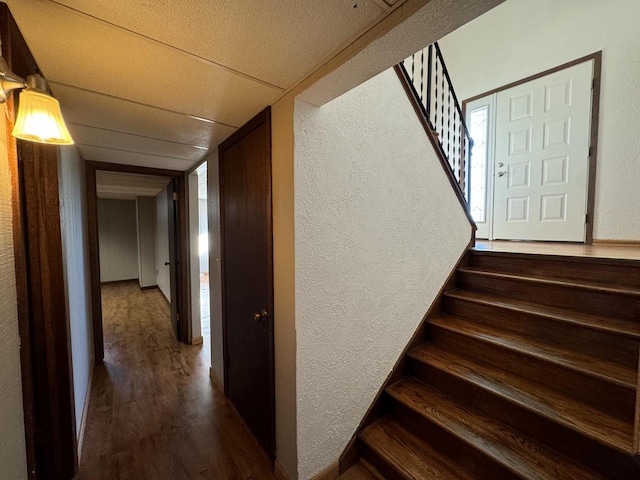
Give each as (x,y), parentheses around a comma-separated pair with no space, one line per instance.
(571,283)
(465,439)
(547,359)
(557,418)
(563,316)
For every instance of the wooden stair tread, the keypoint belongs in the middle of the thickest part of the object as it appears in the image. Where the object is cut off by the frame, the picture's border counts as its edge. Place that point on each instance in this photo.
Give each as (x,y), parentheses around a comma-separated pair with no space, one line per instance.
(412,457)
(609,325)
(359,471)
(572,283)
(597,368)
(579,417)
(516,452)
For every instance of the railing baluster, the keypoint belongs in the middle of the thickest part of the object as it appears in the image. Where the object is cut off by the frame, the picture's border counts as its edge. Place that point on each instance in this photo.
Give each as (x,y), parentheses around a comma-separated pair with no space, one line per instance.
(429,73)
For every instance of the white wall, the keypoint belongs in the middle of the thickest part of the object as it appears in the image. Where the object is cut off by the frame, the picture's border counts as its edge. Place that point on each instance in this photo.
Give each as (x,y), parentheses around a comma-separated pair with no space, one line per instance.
(378,229)
(520,38)
(215,278)
(194,263)
(146,223)
(13,463)
(118,238)
(163,272)
(75,250)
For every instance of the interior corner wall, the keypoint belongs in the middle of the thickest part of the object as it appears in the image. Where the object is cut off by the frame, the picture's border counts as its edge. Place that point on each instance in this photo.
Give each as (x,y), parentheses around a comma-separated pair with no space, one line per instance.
(215,276)
(163,272)
(13,458)
(521,38)
(194,260)
(284,284)
(146,223)
(378,230)
(118,239)
(75,248)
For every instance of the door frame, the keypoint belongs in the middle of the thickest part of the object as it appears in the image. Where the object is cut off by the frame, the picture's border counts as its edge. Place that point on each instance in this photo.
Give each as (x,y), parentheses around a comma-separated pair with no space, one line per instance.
(182,269)
(263,117)
(593,135)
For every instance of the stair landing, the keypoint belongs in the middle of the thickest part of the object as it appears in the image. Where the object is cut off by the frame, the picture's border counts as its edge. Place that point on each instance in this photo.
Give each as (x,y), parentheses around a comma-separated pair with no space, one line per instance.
(614,251)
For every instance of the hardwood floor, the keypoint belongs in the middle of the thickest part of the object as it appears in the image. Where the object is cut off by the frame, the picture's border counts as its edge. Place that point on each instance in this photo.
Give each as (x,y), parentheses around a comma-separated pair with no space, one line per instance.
(628,252)
(154,412)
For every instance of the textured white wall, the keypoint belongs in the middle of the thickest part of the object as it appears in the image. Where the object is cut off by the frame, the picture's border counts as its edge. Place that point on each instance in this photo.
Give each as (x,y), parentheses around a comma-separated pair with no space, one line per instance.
(215,277)
(163,272)
(146,222)
(520,38)
(75,250)
(118,238)
(13,463)
(378,229)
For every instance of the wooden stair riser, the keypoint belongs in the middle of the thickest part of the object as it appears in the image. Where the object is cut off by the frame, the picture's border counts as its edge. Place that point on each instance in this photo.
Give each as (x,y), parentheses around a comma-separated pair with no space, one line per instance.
(603,271)
(608,304)
(387,469)
(461,454)
(606,346)
(605,396)
(609,461)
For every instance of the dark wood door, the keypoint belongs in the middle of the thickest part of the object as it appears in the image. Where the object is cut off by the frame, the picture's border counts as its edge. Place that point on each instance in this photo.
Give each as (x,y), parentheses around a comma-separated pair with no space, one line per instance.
(247,275)
(174,241)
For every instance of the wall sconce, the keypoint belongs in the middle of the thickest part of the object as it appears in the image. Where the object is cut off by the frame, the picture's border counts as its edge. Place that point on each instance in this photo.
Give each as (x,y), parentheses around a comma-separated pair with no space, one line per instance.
(39,117)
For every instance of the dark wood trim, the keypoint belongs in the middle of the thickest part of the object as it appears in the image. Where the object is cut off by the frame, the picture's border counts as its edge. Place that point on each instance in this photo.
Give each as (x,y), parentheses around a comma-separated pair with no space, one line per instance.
(417,107)
(635,453)
(117,167)
(8,32)
(350,454)
(94,250)
(94,263)
(152,287)
(116,282)
(56,441)
(595,121)
(264,117)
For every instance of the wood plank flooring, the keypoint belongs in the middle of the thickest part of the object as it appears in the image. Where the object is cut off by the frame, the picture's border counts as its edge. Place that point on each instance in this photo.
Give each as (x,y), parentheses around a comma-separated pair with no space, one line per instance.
(628,252)
(154,412)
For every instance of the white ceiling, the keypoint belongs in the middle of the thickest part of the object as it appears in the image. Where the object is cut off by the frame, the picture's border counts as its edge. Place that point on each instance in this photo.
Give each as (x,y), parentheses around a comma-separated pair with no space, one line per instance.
(161,83)
(126,186)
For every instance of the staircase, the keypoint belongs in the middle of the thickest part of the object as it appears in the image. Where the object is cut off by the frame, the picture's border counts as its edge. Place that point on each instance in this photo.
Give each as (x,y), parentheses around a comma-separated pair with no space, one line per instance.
(528,370)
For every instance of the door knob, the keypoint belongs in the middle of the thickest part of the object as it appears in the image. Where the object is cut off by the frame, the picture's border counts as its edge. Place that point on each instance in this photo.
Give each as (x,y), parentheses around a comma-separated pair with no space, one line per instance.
(166,263)
(500,174)
(260,317)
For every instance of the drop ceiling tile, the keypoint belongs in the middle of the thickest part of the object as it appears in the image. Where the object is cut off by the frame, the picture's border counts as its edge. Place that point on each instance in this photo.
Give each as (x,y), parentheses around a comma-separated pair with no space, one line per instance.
(100,154)
(123,141)
(278,42)
(75,49)
(84,108)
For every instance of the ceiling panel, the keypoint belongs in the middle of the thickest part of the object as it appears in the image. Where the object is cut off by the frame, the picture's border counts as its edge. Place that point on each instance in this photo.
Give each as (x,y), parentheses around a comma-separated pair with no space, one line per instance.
(128,186)
(277,42)
(99,57)
(85,108)
(105,138)
(100,154)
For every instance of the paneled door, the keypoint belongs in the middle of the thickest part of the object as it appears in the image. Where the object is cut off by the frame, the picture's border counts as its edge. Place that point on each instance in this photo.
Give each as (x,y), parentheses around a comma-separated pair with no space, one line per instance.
(541,160)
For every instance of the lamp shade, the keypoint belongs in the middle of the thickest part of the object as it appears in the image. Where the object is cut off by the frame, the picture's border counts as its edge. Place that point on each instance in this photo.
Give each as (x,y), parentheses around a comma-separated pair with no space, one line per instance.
(40,120)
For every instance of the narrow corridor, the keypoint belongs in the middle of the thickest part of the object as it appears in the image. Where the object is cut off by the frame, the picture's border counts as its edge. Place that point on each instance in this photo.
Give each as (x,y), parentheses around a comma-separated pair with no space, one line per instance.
(154,412)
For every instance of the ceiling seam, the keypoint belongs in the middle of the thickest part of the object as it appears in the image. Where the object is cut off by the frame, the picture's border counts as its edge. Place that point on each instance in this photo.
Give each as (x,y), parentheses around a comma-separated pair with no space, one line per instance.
(196,117)
(133,151)
(138,135)
(167,45)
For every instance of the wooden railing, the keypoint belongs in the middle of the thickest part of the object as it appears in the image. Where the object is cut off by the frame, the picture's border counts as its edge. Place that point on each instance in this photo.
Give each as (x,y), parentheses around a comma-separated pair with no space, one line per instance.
(426,81)
(636,425)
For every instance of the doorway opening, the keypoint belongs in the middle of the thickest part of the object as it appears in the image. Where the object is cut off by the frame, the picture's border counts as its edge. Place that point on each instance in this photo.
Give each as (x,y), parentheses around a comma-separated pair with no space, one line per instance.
(533,162)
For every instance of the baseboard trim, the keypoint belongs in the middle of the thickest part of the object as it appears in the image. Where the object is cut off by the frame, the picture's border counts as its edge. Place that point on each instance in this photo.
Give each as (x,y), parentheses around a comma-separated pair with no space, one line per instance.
(197,340)
(215,379)
(617,243)
(115,282)
(330,473)
(279,471)
(152,287)
(85,411)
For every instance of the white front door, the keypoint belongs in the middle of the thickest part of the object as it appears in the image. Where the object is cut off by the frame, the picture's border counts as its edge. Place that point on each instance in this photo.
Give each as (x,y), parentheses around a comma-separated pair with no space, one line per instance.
(539,173)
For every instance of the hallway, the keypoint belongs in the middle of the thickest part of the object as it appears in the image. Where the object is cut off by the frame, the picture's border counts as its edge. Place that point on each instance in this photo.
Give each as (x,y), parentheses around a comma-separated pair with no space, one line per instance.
(154,412)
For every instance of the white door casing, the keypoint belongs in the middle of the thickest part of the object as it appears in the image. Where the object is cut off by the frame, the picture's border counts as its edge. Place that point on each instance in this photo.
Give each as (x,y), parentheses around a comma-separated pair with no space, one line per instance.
(542,157)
